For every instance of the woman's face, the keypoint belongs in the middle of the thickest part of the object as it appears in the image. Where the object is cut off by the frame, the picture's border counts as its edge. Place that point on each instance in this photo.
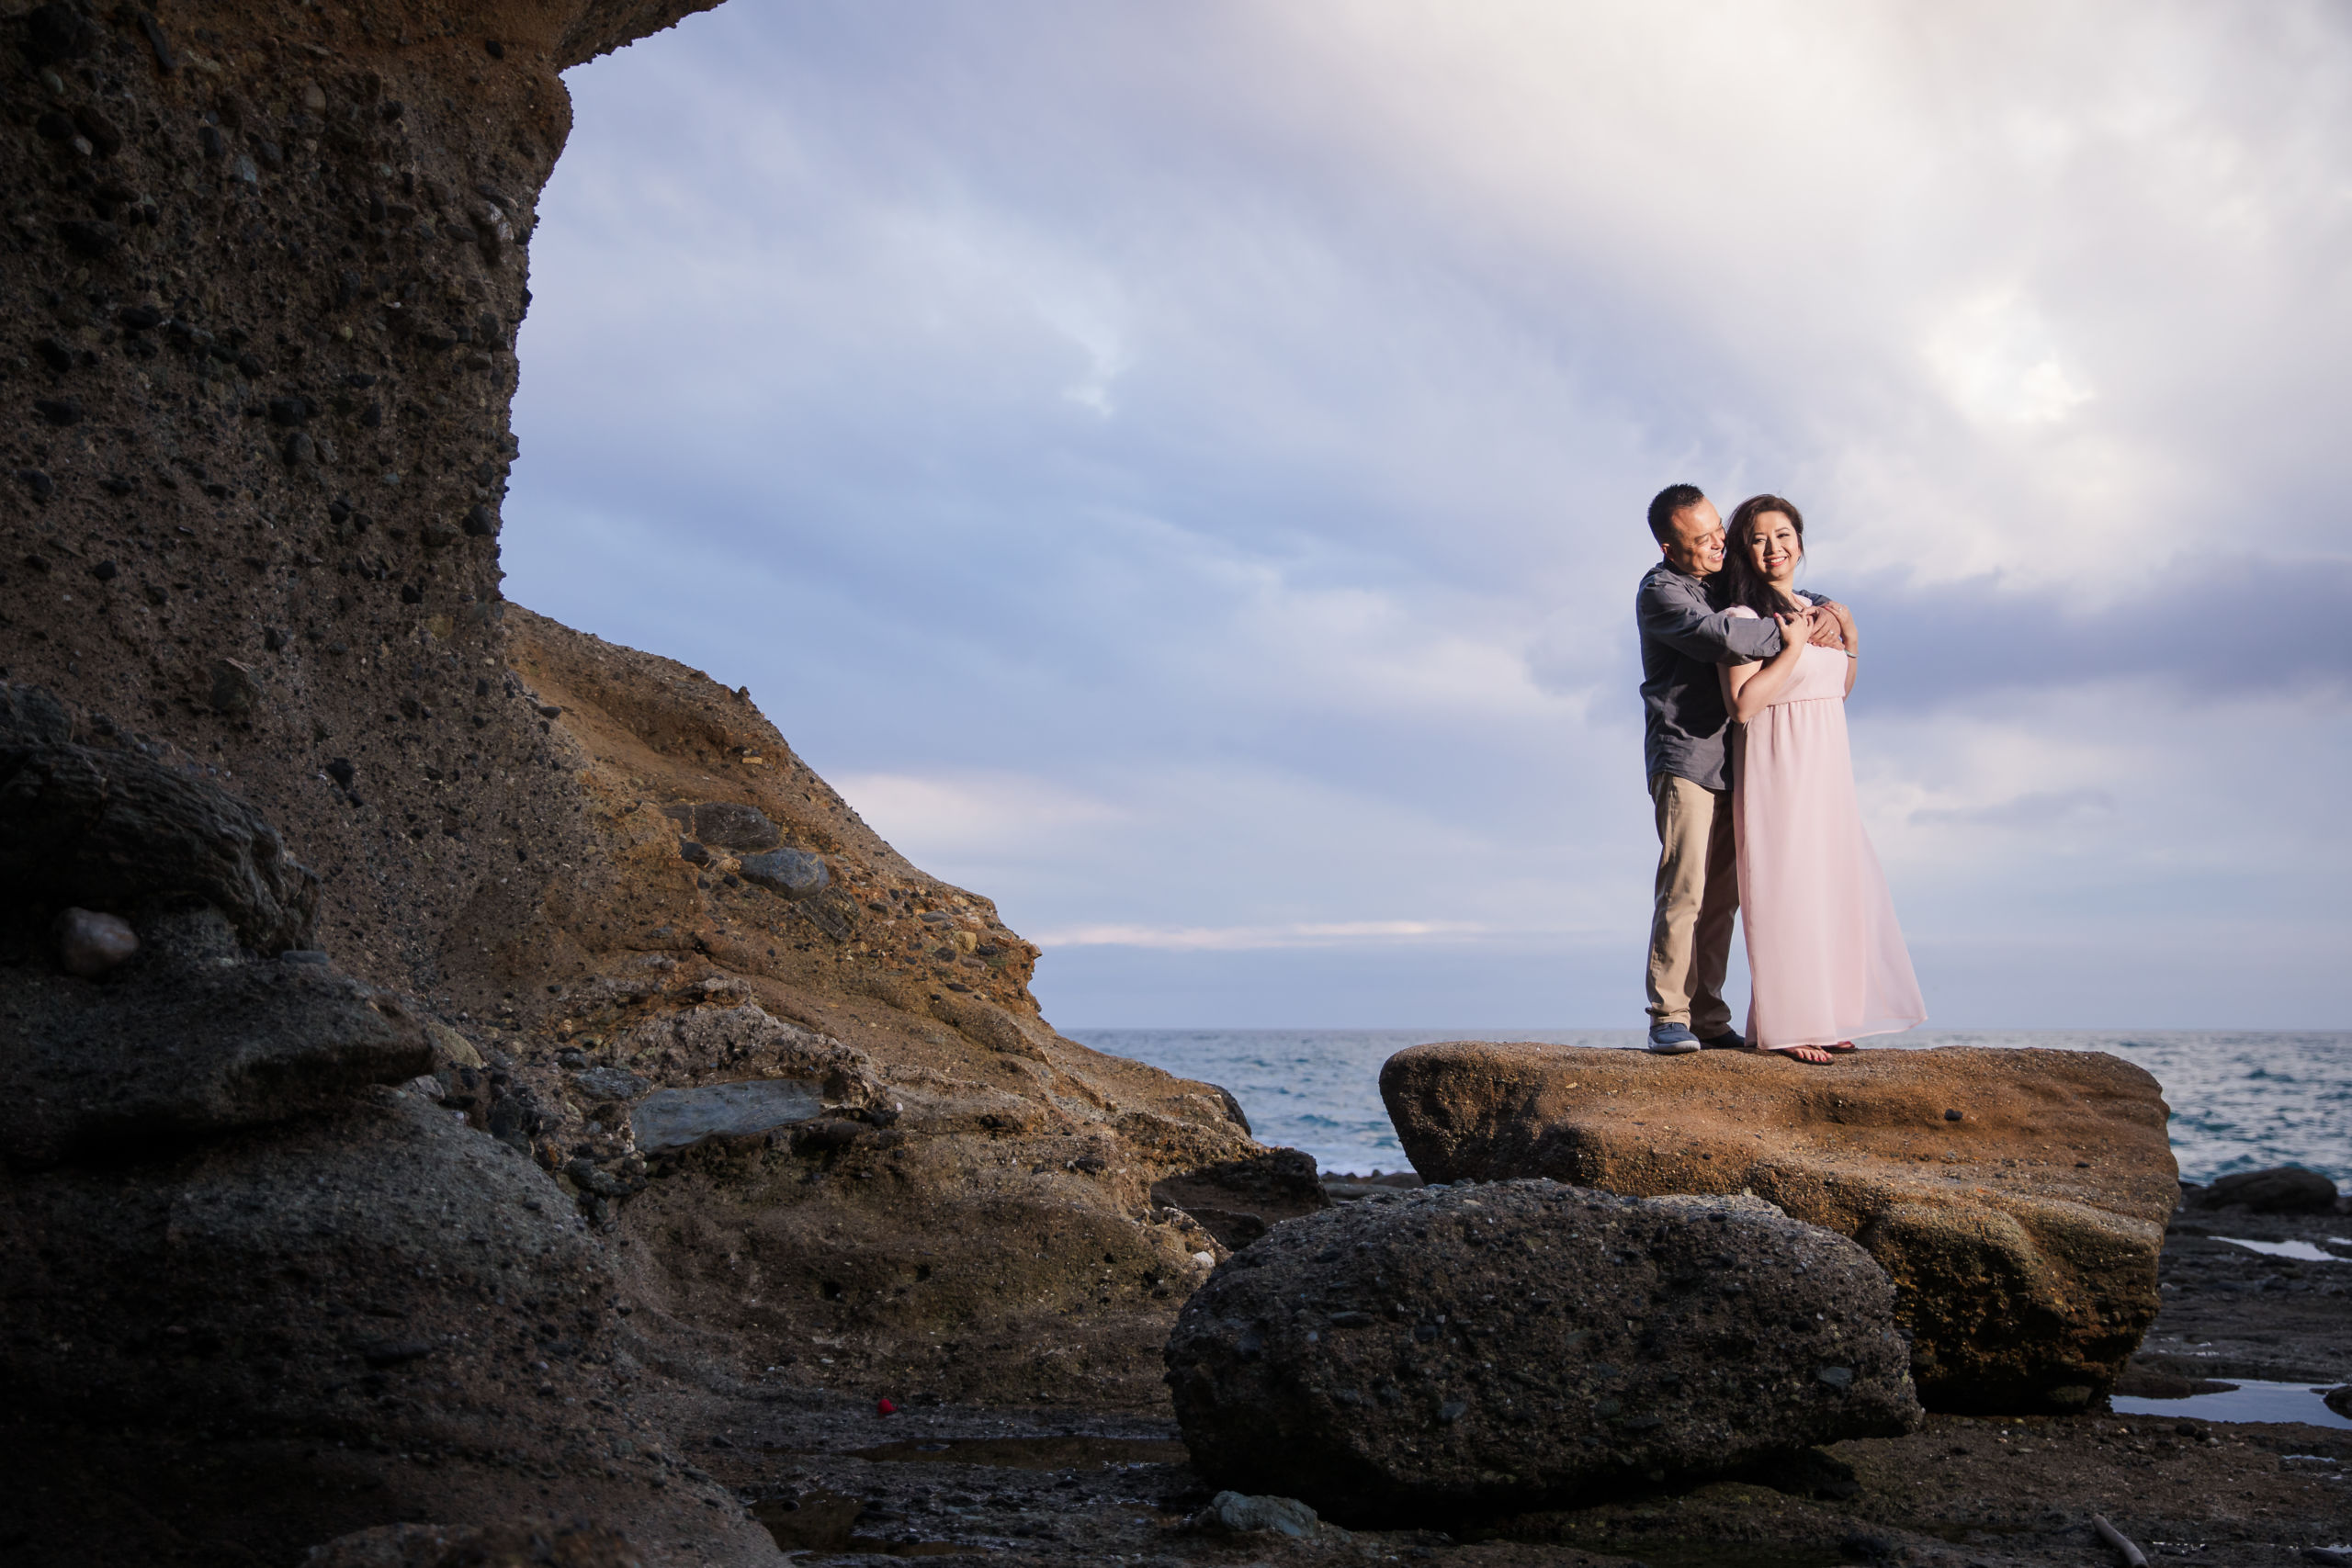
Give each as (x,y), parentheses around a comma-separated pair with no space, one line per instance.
(1773,547)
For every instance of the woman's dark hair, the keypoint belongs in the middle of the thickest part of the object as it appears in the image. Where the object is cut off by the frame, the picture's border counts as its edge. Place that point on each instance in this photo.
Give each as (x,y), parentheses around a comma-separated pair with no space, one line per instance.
(1739,582)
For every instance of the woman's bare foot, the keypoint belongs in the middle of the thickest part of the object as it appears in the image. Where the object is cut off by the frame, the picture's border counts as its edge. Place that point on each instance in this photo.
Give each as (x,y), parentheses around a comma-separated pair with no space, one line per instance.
(1814,1053)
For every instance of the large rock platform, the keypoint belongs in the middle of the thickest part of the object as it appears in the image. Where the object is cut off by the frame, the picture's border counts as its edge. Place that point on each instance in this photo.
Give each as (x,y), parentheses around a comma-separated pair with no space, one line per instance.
(2018,1197)
(1446,1353)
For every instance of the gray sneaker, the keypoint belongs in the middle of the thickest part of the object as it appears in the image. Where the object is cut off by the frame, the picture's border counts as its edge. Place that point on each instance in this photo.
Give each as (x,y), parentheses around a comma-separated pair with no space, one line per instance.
(1671,1040)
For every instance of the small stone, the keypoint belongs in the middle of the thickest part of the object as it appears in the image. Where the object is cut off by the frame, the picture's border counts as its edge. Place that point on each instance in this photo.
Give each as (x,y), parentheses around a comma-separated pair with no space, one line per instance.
(342,772)
(58,32)
(243,169)
(39,483)
(731,824)
(794,874)
(86,237)
(436,535)
(235,689)
(1951,1116)
(301,449)
(1836,1377)
(138,318)
(90,943)
(611,1084)
(496,49)
(106,572)
(275,638)
(1237,1513)
(101,133)
(54,354)
(688,849)
(482,522)
(288,411)
(59,411)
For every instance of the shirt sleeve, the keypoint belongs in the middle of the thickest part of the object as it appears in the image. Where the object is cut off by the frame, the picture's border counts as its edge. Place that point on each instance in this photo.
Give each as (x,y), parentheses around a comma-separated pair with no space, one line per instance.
(1672,610)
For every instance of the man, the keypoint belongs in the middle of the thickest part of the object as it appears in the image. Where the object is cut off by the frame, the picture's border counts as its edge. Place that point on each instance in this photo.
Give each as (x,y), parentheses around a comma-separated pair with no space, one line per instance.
(1683,733)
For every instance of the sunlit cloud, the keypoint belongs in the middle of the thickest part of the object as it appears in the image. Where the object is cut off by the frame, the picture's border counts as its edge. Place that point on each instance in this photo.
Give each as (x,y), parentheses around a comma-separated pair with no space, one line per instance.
(1179,469)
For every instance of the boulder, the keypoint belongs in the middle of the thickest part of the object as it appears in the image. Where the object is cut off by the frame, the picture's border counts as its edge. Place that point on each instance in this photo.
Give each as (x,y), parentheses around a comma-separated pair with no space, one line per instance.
(2016,1198)
(1469,1350)
(111,829)
(2284,1189)
(192,1035)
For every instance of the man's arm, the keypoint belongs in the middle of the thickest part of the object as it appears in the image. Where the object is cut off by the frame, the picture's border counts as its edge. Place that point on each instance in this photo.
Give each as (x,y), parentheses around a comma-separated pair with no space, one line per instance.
(1671,609)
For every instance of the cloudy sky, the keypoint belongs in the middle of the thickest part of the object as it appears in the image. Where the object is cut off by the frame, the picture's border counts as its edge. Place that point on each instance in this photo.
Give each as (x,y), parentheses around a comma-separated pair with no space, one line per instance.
(1177,466)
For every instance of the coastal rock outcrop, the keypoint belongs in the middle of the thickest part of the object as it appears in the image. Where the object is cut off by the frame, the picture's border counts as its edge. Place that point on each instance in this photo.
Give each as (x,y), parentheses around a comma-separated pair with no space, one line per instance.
(2018,1197)
(264,271)
(1452,1353)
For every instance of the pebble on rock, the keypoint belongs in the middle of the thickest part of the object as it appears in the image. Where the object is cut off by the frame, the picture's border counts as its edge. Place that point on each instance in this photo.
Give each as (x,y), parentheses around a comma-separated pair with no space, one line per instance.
(90,943)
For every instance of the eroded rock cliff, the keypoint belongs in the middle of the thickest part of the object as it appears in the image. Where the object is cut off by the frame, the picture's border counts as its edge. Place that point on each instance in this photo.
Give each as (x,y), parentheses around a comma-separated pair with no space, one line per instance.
(466,924)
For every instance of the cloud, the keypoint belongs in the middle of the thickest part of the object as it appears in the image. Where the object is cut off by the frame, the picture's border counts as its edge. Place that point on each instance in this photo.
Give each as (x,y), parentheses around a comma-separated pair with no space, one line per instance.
(1239,938)
(2034,809)
(1180,469)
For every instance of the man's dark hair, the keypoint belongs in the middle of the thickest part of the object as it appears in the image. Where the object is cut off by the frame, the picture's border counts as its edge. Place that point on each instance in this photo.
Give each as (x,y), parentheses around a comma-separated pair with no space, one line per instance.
(1668,502)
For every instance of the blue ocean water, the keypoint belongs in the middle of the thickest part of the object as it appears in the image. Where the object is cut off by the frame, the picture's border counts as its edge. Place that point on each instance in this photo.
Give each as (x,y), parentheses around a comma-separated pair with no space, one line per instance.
(2240,1100)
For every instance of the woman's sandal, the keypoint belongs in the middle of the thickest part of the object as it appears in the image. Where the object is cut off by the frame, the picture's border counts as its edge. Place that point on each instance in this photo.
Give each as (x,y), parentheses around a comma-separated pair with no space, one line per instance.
(1842,1047)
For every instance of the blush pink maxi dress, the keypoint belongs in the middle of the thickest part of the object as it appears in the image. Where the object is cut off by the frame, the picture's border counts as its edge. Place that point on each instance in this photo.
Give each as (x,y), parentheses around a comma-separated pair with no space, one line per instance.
(1826,959)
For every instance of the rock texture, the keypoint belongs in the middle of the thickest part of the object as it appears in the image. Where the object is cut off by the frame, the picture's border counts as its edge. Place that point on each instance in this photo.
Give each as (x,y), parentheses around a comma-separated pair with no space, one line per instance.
(1473,1351)
(268,711)
(190,1037)
(2016,1198)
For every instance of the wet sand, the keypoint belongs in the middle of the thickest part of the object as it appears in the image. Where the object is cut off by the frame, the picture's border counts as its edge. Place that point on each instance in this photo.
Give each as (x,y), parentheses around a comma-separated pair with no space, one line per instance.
(836,1482)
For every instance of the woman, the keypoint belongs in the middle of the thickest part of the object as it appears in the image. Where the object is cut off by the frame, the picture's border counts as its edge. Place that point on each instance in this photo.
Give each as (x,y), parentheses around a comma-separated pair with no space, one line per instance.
(1826,959)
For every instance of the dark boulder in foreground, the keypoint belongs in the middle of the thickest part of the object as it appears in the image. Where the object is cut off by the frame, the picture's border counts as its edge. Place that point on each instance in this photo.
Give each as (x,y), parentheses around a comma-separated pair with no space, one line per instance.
(1467,1350)
(2016,1198)
(2286,1190)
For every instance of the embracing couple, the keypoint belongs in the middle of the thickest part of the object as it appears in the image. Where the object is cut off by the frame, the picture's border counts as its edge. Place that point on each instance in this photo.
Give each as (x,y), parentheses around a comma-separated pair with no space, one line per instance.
(1744,683)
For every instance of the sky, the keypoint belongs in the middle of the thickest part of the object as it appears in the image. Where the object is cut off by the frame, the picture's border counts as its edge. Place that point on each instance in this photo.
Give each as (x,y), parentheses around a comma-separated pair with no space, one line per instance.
(1178,468)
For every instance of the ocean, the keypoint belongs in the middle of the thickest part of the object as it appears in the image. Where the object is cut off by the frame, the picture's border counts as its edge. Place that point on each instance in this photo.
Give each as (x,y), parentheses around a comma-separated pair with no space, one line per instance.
(2240,1100)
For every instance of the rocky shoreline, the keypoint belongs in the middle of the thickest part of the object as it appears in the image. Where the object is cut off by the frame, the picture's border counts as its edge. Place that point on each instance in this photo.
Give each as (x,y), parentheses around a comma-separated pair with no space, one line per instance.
(472,1096)
(1052,1486)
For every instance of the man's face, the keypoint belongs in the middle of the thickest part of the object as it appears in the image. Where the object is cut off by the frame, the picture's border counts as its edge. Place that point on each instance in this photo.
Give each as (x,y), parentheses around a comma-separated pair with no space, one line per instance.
(1697,547)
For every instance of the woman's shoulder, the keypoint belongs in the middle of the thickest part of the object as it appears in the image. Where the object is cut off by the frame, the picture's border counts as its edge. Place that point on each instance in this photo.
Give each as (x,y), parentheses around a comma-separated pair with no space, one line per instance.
(1741,613)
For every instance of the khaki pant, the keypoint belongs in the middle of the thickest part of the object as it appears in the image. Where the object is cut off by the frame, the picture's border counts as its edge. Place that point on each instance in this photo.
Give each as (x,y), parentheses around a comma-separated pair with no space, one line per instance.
(1697,894)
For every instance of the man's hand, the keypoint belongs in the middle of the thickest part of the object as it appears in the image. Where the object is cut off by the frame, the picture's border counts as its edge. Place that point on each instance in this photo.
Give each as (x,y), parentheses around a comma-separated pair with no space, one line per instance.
(1828,624)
